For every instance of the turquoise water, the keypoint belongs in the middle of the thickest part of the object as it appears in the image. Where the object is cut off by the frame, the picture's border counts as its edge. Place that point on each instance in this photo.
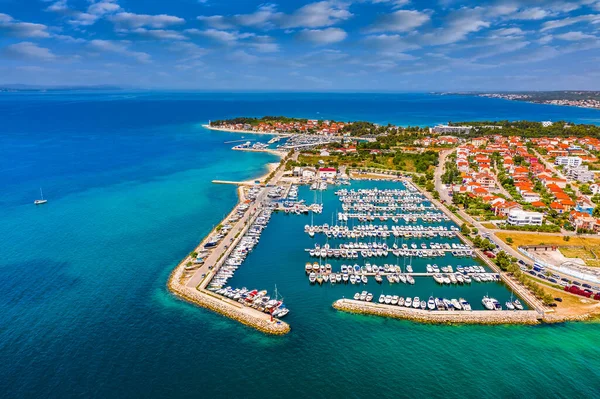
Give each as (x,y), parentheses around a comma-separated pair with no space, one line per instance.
(266,267)
(83,305)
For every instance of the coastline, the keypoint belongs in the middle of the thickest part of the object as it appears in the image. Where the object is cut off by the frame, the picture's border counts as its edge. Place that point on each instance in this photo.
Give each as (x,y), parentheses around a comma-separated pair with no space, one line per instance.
(222,129)
(179,283)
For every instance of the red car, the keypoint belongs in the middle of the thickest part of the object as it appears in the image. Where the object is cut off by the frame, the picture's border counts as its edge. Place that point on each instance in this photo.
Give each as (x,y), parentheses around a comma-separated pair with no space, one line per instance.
(489,254)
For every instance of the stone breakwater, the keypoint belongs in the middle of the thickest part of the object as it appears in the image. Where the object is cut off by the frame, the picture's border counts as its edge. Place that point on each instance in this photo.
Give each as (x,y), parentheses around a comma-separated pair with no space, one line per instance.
(247,316)
(442,317)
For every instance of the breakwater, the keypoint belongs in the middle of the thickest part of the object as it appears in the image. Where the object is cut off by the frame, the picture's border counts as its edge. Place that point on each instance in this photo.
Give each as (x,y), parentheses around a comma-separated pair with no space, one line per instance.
(443,317)
(225,307)
(192,289)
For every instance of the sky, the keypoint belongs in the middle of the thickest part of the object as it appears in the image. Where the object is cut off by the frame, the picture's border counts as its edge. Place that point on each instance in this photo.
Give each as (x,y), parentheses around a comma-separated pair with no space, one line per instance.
(299,45)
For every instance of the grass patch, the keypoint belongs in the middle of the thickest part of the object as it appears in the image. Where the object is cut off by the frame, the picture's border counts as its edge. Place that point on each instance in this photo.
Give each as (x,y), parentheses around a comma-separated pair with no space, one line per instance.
(489,225)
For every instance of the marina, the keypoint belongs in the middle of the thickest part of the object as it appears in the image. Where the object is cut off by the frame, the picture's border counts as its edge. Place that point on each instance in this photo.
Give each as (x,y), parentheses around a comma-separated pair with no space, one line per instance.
(405,266)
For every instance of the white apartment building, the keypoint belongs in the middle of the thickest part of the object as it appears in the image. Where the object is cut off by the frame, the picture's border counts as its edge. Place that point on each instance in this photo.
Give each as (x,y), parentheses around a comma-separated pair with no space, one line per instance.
(581,173)
(517,217)
(572,162)
(445,129)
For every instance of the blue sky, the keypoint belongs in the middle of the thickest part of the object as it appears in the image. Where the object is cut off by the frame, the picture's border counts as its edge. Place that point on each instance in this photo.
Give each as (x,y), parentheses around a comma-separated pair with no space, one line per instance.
(375,45)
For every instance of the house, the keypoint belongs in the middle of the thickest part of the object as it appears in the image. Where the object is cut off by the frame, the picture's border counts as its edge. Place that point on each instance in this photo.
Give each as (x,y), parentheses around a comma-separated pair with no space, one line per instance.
(557,206)
(595,188)
(530,196)
(518,217)
(505,208)
(308,173)
(327,173)
(538,204)
(582,220)
(324,153)
(485,180)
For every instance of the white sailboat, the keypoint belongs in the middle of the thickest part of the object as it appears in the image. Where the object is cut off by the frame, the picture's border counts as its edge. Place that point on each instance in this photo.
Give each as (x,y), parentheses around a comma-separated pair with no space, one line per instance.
(42,200)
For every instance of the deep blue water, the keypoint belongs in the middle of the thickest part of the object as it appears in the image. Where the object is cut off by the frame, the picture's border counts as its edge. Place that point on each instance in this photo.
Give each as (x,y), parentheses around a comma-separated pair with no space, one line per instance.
(84,310)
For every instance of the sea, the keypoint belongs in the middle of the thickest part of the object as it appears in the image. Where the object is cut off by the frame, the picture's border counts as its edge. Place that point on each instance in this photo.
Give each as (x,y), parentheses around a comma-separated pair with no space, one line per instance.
(84,308)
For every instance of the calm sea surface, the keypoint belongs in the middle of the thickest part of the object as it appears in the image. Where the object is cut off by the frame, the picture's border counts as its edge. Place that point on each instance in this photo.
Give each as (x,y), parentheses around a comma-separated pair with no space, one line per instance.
(84,309)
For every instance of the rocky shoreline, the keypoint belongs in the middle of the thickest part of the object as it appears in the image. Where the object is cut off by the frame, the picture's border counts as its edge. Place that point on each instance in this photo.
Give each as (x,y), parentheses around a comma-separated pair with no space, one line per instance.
(435,317)
(223,307)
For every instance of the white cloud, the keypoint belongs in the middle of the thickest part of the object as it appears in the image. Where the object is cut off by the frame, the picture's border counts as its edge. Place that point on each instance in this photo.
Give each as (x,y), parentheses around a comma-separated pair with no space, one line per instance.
(575,36)
(391,42)
(118,47)
(399,21)
(220,35)
(243,57)
(22,29)
(508,32)
(58,6)
(561,23)
(314,15)
(459,24)
(129,20)
(159,34)
(535,13)
(322,36)
(95,11)
(30,51)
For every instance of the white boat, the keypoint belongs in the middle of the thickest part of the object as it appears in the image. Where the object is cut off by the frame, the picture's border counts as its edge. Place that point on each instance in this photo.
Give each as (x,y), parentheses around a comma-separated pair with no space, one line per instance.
(401,301)
(381,298)
(41,200)
(488,303)
(388,299)
(416,302)
(395,299)
(431,303)
(465,305)
(509,305)
(357,296)
(518,304)
(408,302)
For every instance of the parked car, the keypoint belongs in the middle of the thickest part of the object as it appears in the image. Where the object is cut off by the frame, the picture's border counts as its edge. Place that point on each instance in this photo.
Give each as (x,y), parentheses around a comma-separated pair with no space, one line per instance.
(522,263)
(557,299)
(552,280)
(586,285)
(532,273)
(575,282)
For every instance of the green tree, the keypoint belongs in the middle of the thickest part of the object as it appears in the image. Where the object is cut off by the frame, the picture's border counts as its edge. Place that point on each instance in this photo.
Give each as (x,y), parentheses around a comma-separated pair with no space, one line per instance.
(465,230)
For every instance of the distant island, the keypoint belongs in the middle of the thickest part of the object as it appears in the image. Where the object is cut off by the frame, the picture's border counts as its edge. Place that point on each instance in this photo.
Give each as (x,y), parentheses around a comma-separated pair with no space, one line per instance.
(582,99)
